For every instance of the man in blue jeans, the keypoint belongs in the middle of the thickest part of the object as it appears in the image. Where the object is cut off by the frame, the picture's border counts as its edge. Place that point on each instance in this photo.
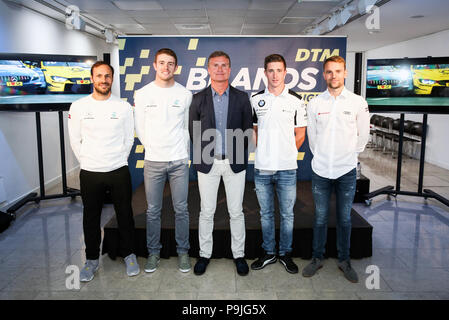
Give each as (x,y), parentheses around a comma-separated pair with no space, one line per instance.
(338,130)
(161,121)
(279,120)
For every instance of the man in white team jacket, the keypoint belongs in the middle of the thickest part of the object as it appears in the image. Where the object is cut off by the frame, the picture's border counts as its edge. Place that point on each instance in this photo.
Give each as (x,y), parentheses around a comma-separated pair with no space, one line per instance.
(161,115)
(101,130)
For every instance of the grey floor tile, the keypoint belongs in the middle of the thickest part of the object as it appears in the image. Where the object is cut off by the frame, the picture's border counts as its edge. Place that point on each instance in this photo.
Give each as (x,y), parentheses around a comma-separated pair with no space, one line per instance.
(443,295)
(18,295)
(430,241)
(7,275)
(419,280)
(33,258)
(436,227)
(143,295)
(59,295)
(391,240)
(5,252)
(317,295)
(39,279)
(98,295)
(254,295)
(220,277)
(429,180)
(374,295)
(424,258)
(145,282)
(383,258)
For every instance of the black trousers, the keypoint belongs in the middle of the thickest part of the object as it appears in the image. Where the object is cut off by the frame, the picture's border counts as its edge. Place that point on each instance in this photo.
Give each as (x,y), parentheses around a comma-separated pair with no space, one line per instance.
(93,189)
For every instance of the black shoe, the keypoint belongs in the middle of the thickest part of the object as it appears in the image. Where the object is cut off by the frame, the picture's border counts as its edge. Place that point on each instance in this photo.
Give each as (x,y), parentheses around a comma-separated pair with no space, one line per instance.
(242,266)
(200,266)
(288,263)
(263,261)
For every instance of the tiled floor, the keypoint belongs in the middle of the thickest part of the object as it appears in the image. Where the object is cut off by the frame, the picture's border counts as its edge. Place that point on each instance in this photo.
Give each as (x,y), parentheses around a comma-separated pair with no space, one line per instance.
(410,249)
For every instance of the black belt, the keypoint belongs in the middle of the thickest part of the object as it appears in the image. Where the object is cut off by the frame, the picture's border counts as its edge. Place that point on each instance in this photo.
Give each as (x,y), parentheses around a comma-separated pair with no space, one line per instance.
(220,156)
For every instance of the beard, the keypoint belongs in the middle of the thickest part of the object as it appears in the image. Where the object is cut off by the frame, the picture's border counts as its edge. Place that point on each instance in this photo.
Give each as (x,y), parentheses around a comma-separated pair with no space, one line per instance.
(102,91)
(339,84)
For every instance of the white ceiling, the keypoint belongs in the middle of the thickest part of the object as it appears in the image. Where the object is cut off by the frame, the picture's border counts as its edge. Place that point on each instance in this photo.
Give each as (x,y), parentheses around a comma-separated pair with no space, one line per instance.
(396,24)
(206,17)
(256,17)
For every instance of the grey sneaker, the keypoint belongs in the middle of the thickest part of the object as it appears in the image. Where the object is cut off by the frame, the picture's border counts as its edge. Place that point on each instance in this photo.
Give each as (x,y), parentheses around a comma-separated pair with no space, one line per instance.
(132,267)
(312,267)
(152,263)
(88,271)
(348,271)
(184,262)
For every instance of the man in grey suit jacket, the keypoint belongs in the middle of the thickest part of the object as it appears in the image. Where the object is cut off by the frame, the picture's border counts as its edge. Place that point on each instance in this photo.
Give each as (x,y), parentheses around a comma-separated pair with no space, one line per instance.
(220,114)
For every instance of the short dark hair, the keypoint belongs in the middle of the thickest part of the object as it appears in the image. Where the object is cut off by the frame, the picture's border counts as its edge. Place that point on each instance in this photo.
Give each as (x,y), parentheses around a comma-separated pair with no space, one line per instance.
(335,59)
(274,58)
(166,51)
(219,54)
(100,63)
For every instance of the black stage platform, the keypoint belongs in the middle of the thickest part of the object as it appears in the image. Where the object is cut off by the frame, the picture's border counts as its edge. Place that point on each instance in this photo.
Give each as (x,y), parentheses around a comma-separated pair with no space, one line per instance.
(361,238)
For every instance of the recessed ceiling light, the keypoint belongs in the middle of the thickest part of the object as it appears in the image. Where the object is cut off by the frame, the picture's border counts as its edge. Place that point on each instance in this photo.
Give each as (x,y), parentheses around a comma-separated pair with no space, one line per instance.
(192,26)
(137,5)
(417,16)
(295,20)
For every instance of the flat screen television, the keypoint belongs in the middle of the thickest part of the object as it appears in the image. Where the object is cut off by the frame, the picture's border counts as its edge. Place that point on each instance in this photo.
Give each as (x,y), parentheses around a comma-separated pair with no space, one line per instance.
(408,77)
(33,74)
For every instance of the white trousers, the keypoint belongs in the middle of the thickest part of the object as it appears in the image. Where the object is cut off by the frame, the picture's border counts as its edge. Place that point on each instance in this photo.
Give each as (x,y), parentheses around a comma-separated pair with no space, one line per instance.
(235,186)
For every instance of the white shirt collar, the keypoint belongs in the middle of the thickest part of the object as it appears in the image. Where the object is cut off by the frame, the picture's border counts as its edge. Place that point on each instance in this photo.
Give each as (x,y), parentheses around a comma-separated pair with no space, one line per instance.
(344,93)
(283,93)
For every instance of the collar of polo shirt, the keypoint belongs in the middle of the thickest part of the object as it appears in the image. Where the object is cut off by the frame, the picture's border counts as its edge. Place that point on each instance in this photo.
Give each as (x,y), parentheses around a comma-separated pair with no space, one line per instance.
(344,93)
(283,93)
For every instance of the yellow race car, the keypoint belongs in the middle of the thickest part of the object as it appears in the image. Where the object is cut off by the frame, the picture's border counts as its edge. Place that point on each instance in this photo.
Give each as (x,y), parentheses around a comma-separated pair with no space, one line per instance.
(431,79)
(67,77)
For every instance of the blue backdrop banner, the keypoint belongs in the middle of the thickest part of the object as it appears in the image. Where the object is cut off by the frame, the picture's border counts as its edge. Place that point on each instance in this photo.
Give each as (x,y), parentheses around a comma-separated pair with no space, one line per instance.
(304,57)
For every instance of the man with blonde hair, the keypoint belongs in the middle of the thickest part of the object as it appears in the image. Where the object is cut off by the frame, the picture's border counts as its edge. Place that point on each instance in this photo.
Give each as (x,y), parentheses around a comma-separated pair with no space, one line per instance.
(338,130)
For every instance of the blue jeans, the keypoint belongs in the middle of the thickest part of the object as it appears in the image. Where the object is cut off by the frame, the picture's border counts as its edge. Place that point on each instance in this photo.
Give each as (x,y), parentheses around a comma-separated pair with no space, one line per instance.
(155,176)
(344,190)
(285,183)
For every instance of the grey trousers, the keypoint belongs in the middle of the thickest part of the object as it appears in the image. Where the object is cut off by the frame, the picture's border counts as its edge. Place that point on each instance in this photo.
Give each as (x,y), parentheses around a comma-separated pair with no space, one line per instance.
(155,176)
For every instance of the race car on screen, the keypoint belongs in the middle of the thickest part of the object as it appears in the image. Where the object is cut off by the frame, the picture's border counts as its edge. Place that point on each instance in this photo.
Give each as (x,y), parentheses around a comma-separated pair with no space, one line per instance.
(394,81)
(67,77)
(17,79)
(431,79)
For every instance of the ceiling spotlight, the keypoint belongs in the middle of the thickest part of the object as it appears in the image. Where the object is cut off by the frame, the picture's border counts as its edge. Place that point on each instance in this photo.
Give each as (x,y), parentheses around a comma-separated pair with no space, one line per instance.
(316,30)
(73,20)
(109,35)
(332,22)
(365,6)
(344,16)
